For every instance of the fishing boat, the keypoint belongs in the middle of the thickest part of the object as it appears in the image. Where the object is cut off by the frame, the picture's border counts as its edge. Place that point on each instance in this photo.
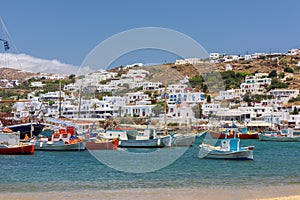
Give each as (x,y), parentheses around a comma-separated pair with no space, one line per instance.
(98,144)
(63,140)
(148,143)
(223,134)
(10,144)
(241,132)
(180,140)
(285,135)
(229,149)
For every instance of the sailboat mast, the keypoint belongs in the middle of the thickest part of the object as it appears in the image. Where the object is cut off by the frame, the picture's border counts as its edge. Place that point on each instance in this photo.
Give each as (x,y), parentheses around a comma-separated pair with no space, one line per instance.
(165,109)
(79,105)
(59,109)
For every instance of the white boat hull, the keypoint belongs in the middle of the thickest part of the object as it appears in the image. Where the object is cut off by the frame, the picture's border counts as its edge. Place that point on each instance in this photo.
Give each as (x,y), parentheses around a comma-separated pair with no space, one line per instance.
(270,137)
(206,151)
(183,140)
(58,146)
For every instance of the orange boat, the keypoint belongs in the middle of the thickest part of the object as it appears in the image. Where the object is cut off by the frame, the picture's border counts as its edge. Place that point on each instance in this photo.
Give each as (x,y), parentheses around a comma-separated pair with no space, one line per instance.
(98,144)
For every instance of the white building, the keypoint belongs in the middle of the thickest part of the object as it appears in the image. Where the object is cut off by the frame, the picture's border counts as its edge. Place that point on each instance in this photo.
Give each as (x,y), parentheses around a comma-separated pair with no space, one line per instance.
(229,94)
(176,88)
(136,72)
(214,56)
(248,57)
(187,97)
(132,97)
(294,52)
(37,84)
(106,88)
(255,84)
(284,95)
(191,61)
(53,95)
(93,79)
(92,108)
(182,114)
(149,86)
(210,109)
(137,110)
(294,121)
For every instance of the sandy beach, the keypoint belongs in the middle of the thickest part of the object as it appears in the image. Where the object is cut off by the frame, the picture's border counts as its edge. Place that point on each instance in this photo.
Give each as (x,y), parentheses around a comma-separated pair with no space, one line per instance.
(211,193)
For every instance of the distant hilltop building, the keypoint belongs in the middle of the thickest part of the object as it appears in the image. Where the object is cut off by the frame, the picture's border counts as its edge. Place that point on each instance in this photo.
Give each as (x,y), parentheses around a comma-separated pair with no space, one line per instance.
(219,58)
(134,65)
(293,52)
(191,61)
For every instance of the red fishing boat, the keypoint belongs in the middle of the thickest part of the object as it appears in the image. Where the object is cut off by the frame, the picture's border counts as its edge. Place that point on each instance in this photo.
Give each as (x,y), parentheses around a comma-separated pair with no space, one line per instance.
(222,135)
(99,144)
(10,144)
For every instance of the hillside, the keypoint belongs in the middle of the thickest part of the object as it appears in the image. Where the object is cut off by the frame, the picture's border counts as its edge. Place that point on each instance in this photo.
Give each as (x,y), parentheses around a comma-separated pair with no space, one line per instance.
(15,74)
(171,73)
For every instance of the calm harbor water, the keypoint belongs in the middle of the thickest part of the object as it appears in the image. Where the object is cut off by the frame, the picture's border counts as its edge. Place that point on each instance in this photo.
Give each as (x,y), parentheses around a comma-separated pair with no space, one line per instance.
(274,164)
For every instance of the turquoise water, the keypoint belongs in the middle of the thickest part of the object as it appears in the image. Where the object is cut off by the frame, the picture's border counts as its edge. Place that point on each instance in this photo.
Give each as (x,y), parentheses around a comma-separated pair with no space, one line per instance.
(273,164)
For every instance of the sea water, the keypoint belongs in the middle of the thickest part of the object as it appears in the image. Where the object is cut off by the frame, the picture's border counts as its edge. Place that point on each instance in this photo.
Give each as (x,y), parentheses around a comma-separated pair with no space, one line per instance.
(274,164)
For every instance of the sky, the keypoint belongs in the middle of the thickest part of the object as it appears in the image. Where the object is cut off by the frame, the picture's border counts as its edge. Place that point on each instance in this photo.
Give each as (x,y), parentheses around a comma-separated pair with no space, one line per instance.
(67,31)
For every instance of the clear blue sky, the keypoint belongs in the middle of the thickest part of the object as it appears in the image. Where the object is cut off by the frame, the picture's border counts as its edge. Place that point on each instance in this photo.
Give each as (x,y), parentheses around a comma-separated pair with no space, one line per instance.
(68,30)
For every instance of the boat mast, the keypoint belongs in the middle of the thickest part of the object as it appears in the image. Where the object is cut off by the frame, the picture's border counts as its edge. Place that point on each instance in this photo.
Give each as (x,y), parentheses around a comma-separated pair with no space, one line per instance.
(79,105)
(165,109)
(59,108)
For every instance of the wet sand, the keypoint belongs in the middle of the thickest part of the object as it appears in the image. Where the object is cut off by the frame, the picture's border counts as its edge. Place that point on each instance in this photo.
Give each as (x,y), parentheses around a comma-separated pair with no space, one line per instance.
(210,193)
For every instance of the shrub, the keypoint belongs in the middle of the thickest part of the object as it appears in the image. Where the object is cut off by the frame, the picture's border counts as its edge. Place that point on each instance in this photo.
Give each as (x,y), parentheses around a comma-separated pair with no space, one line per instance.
(288,70)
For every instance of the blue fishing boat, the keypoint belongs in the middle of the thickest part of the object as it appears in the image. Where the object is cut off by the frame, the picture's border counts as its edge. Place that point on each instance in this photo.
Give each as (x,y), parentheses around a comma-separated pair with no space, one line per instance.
(229,149)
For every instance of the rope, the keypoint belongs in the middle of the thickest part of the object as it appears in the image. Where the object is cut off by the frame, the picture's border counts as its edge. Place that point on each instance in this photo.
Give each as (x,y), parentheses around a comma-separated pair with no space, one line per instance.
(10,39)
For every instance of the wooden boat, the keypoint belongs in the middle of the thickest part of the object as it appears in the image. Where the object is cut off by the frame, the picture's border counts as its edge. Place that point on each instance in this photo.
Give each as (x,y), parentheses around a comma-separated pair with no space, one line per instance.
(159,142)
(229,149)
(97,144)
(63,140)
(285,135)
(183,139)
(222,135)
(10,144)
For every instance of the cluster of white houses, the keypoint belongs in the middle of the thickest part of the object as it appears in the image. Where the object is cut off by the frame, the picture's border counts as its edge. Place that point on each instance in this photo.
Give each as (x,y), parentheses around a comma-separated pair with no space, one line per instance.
(218,57)
(181,99)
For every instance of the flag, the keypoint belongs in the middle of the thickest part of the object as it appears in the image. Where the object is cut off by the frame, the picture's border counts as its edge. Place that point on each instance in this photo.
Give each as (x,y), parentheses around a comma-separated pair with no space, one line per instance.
(6,46)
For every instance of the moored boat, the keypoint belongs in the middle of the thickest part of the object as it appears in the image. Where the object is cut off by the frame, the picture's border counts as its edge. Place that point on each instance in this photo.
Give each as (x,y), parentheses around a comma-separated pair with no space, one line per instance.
(241,135)
(183,139)
(98,144)
(10,144)
(229,149)
(285,135)
(63,140)
(147,143)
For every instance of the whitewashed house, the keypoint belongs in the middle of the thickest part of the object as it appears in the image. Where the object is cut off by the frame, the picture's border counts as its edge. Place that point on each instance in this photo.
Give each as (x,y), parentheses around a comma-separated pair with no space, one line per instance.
(210,108)
(150,86)
(284,94)
(191,61)
(255,84)
(181,114)
(214,56)
(294,121)
(37,84)
(53,95)
(176,88)
(187,97)
(132,97)
(137,110)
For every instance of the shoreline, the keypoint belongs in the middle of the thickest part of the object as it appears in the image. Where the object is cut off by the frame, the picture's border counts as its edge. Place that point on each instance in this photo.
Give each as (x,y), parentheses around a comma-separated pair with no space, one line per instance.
(209,193)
